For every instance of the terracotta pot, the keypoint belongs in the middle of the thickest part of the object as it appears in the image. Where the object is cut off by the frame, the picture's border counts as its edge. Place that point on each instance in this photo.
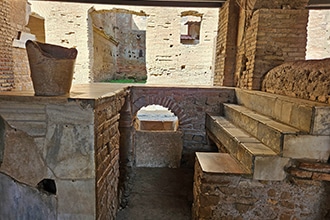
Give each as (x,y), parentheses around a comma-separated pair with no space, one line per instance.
(51,68)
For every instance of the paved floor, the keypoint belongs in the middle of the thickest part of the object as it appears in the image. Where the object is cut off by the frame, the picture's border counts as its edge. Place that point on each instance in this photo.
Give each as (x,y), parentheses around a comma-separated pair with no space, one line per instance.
(159,194)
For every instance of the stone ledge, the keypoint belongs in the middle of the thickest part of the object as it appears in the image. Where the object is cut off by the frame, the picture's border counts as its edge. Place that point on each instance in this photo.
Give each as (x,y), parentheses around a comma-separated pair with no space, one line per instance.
(219,163)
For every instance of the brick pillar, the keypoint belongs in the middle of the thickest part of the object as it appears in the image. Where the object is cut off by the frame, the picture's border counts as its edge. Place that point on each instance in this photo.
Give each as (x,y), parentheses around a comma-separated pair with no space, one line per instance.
(226,45)
(281,37)
(6,53)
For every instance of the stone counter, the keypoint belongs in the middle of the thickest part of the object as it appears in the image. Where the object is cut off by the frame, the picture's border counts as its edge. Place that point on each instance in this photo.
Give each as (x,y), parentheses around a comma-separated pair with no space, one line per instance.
(72,140)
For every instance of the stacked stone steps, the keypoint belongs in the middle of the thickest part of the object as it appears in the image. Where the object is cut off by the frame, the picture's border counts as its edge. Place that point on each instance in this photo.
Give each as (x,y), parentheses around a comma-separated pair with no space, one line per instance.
(263,132)
(254,157)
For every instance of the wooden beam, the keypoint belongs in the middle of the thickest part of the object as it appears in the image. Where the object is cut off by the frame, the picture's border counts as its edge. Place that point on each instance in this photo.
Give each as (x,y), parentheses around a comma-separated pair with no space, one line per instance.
(161,3)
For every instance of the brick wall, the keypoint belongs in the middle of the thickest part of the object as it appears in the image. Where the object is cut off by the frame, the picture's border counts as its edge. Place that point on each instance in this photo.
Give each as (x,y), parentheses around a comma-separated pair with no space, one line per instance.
(270,42)
(20,15)
(262,41)
(169,61)
(21,69)
(6,54)
(226,45)
(107,155)
(238,197)
(189,105)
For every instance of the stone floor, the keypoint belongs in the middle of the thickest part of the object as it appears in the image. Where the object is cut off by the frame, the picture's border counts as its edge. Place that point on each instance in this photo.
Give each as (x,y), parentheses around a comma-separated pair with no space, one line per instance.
(161,194)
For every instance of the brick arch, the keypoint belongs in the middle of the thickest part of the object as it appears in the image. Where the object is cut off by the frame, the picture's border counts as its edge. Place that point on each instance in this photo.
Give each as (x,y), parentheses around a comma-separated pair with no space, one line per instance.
(166,102)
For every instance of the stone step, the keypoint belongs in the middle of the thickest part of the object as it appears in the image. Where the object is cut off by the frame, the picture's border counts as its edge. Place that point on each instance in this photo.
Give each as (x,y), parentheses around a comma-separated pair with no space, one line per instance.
(254,156)
(308,116)
(219,163)
(265,129)
(285,140)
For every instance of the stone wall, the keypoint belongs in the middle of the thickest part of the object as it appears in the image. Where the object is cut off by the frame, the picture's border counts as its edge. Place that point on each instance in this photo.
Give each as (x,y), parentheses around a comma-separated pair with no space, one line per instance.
(104,62)
(6,54)
(131,58)
(107,155)
(189,105)
(238,197)
(302,79)
(74,27)
(318,36)
(78,151)
(169,61)
(118,50)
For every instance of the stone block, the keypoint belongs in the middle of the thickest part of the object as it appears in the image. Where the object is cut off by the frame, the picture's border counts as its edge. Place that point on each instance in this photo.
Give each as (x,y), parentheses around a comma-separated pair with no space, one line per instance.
(74,114)
(19,201)
(70,150)
(219,163)
(158,148)
(307,147)
(76,198)
(21,157)
(301,117)
(321,123)
(270,168)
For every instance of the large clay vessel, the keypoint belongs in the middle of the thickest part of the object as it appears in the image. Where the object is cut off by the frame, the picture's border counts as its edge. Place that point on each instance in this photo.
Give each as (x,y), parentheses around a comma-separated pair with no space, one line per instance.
(51,68)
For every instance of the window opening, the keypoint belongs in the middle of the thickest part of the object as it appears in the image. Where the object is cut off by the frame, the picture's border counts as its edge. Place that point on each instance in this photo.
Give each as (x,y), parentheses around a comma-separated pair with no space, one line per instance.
(190,28)
(156,118)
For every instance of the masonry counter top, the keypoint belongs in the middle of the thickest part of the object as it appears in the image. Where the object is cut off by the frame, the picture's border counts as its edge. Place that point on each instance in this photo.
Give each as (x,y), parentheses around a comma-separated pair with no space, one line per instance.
(91,91)
(71,139)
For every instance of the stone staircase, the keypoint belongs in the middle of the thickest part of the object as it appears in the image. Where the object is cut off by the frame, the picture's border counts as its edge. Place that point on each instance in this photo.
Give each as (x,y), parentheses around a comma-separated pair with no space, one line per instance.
(263,133)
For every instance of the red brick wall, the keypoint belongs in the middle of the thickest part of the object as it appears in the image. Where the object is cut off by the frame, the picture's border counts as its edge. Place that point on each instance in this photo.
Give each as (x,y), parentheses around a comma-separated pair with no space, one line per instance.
(6,53)
(21,70)
(226,45)
(107,155)
(268,34)
(189,105)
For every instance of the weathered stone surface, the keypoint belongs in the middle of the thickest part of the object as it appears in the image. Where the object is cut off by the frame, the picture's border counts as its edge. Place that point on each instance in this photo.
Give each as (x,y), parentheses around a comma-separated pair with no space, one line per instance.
(158,149)
(270,168)
(76,199)
(21,157)
(321,123)
(307,147)
(303,79)
(219,163)
(19,201)
(70,152)
(28,117)
(2,138)
(75,113)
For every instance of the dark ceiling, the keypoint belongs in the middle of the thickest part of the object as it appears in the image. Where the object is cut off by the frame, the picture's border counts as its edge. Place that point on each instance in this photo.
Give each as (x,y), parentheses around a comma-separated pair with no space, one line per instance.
(163,3)
(313,4)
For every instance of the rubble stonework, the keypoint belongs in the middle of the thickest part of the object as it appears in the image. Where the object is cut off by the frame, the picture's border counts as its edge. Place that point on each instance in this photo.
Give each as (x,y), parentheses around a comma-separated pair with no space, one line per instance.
(238,197)
(302,79)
